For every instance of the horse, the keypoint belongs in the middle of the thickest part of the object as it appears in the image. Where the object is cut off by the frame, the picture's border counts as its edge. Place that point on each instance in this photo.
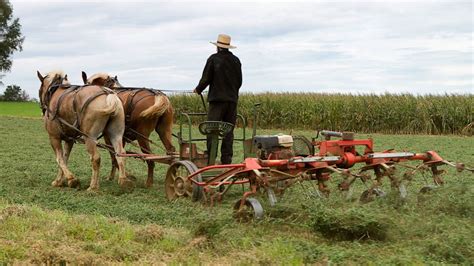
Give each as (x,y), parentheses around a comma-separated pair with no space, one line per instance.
(71,113)
(145,110)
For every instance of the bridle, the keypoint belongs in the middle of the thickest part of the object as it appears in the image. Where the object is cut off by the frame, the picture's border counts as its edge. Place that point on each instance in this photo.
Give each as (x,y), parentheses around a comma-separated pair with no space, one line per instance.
(55,84)
(112,82)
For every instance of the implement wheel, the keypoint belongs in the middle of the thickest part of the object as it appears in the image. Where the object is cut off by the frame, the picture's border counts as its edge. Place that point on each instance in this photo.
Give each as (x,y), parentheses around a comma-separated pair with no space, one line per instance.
(177,183)
(197,190)
(302,146)
(252,209)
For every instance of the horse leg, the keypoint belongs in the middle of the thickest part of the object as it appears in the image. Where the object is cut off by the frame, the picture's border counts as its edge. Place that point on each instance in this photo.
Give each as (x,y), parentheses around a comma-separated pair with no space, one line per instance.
(114,161)
(145,147)
(164,128)
(116,140)
(95,161)
(62,163)
(59,181)
(114,132)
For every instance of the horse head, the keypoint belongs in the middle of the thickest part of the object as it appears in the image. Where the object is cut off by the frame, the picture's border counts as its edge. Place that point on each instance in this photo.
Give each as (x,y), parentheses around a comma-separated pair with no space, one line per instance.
(101,79)
(49,83)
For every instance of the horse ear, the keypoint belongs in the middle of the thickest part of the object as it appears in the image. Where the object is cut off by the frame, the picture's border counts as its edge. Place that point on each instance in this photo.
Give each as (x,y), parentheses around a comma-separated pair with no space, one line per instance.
(115,77)
(84,77)
(41,78)
(65,77)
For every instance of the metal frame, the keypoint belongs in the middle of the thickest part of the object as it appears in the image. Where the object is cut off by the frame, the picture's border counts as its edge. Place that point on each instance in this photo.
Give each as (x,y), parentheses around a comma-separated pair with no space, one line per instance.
(190,140)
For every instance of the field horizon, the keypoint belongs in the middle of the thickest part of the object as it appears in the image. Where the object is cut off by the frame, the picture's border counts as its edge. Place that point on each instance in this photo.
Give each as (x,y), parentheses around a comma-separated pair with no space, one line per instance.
(369,113)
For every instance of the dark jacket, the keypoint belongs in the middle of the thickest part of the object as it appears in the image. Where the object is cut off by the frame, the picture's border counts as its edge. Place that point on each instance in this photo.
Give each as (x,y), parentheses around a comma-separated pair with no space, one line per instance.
(223,74)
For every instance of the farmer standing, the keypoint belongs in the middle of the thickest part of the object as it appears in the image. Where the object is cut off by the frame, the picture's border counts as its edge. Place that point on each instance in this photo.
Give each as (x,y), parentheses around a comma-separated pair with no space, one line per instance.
(223,74)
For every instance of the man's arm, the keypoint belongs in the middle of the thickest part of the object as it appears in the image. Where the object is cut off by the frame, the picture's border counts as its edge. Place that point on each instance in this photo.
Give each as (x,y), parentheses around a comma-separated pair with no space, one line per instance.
(206,77)
(240,74)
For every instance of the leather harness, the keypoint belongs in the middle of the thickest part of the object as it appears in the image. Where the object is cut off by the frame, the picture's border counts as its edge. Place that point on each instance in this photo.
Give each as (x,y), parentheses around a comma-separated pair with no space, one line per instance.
(70,89)
(131,102)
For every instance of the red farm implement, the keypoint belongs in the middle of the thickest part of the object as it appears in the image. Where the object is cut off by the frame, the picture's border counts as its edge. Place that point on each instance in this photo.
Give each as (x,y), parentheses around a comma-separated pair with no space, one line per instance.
(273,163)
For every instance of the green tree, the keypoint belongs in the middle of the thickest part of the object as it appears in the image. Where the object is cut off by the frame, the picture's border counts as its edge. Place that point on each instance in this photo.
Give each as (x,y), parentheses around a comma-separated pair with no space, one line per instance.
(14,93)
(11,39)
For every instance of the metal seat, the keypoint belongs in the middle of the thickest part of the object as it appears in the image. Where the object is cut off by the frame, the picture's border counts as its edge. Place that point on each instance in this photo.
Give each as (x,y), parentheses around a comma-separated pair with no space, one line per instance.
(215,127)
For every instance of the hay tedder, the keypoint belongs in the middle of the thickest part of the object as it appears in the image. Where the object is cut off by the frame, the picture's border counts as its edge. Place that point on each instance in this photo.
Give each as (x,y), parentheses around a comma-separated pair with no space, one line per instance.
(272,163)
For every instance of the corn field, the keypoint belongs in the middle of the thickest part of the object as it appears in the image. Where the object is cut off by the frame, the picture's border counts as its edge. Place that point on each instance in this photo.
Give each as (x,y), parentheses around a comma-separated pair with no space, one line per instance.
(388,113)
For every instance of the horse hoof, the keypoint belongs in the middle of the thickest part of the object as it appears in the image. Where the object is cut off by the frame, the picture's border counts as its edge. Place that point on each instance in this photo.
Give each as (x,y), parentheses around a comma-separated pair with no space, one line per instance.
(74,183)
(149,184)
(93,189)
(127,184)
(131,177)
(57,183)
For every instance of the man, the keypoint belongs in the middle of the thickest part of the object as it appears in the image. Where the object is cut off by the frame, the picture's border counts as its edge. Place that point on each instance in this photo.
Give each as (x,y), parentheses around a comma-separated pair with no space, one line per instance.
(223,74)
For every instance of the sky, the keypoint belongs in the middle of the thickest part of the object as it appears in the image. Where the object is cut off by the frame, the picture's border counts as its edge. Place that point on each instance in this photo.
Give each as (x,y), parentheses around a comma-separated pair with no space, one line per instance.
(359,47)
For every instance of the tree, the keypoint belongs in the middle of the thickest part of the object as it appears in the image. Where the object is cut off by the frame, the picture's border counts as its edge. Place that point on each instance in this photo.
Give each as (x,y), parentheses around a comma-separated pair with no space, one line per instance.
(14,93)
(11,39)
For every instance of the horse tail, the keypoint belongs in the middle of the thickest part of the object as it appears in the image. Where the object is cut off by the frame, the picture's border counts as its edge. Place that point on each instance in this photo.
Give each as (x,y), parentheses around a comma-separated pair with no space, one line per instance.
(112,101)
(158,108)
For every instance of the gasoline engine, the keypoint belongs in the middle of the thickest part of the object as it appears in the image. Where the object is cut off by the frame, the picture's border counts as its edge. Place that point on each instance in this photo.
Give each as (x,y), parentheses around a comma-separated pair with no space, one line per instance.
(273,146)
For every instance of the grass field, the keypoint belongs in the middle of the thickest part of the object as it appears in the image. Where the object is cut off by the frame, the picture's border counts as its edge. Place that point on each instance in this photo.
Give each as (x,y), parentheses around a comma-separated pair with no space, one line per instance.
(42,224)
(23,109)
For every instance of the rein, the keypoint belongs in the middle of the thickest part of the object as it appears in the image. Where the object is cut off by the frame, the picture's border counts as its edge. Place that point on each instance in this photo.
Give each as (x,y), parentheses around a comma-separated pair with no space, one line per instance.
(152,89)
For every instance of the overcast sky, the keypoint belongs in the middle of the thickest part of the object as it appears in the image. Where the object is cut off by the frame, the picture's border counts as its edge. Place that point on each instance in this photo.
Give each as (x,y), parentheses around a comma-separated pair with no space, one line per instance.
(318,46)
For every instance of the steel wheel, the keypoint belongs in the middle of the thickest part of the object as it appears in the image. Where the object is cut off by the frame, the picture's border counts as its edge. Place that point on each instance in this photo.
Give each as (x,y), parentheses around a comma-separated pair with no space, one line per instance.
(252,209)
(302,146)
(197,190)
(177,183)
(370,195)
(402,189)
(271,196)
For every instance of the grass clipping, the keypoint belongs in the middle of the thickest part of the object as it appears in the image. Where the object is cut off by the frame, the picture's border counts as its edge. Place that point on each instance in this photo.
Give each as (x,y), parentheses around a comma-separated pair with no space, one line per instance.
(350,224)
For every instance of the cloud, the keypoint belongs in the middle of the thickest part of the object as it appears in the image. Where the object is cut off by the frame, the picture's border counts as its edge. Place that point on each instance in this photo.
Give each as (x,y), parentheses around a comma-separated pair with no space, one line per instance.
(335,46)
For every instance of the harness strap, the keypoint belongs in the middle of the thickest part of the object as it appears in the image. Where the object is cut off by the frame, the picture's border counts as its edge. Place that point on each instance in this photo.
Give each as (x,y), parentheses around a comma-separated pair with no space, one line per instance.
(55,84)
(58,105)
(105,91)
(154,91)
(61,98)
(130,107)
(77,123)
(130,104)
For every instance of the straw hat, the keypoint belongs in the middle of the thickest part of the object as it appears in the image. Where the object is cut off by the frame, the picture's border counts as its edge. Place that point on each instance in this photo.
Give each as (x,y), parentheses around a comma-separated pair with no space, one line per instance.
(223,41)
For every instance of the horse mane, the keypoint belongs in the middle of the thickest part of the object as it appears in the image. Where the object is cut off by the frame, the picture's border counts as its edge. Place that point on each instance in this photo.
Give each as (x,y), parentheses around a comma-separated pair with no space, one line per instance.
(52,74)
(101,75)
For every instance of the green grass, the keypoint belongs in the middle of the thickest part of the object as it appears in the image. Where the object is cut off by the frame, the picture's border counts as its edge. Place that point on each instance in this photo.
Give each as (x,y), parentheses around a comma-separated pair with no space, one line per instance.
(42,224)
(24,109)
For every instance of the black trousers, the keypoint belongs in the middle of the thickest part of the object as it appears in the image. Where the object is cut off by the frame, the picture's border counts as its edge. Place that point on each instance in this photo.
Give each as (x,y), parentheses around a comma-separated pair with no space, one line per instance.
(227,112)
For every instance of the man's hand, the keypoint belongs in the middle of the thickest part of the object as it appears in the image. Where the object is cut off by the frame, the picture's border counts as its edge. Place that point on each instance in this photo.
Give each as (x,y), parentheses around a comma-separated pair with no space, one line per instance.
(195,91)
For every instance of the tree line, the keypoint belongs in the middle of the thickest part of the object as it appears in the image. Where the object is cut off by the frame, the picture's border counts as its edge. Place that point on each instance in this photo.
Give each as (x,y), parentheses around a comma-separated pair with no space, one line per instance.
(11,40)
(14,93)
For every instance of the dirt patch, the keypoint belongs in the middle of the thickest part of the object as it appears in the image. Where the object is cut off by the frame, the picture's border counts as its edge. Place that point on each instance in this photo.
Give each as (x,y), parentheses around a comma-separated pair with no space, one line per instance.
(12,211)
(149,234)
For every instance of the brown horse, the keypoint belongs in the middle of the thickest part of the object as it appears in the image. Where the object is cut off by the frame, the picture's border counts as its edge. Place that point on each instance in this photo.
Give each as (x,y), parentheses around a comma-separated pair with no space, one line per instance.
(145,110)
(73,112)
